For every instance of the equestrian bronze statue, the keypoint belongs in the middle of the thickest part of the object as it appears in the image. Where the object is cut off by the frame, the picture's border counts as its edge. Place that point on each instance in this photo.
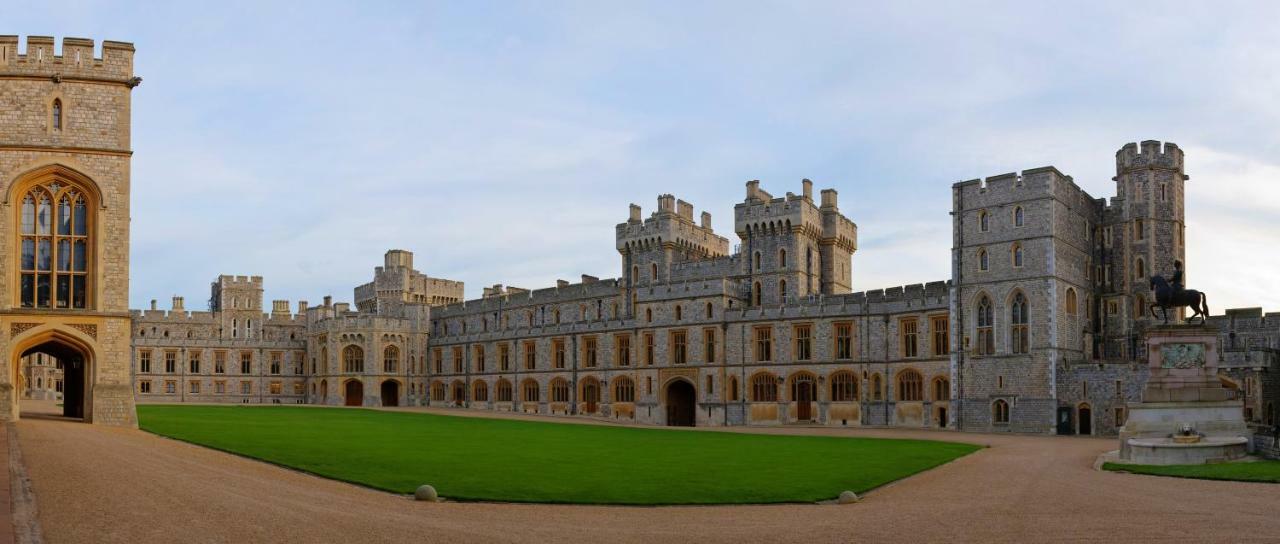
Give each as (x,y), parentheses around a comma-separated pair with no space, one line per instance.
(1170,294)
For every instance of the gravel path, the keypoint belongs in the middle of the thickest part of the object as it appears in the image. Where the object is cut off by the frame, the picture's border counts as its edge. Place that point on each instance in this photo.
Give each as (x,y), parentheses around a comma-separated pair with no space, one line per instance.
(97,484)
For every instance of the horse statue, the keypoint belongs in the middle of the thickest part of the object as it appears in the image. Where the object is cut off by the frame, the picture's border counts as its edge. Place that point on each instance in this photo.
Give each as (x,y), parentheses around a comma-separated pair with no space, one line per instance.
(1167,297)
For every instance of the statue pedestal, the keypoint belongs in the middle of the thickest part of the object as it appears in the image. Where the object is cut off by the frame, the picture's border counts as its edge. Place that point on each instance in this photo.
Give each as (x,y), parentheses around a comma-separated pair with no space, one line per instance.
(1185,416)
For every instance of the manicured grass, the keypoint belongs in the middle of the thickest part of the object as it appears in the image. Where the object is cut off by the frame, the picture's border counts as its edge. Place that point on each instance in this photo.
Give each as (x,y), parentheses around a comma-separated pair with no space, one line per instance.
(1258,471)
(523,461)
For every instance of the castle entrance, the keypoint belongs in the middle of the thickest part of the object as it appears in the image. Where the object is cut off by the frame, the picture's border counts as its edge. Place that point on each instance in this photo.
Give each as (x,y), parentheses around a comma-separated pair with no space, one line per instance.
(354,390)
(1085,415)
(1064,421)
(681,399)
(74,361)
(391,393)
(803,394)
(590,396)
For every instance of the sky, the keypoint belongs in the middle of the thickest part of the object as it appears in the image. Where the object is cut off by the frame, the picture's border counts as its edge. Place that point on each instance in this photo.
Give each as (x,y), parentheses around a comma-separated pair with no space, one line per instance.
(502,141)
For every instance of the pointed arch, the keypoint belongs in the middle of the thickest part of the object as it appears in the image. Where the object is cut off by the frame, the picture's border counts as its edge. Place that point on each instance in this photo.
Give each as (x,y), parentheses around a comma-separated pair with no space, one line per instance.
(984,322)
(1019,318)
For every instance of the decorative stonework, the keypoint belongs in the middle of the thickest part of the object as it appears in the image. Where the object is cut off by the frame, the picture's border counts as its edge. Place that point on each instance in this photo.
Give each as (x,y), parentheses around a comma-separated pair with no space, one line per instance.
(1181,355)
(19,328)
(87,328)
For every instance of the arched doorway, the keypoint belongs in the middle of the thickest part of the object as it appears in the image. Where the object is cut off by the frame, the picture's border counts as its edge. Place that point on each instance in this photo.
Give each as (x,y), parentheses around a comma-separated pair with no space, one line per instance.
(391,393)
(590,395)
(1084,416)
(459,393)
(75,364)
(354,393)
(681,399)
(802,393)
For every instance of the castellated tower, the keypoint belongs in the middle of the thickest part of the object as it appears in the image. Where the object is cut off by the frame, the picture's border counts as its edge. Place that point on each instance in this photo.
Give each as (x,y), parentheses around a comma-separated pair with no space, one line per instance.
(238,300)
(64,236)
(1143,234)
(791,246)
(649,247)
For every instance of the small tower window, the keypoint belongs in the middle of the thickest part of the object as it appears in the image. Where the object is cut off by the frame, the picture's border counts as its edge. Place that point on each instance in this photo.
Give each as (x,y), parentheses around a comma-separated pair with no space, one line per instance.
(984,221)
(57,114)
(782,258)
(1018,216)
(984,263)
(1017,255)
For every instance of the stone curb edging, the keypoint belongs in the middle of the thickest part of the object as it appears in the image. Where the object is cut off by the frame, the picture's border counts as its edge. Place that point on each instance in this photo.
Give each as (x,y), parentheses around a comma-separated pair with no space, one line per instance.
(22,499)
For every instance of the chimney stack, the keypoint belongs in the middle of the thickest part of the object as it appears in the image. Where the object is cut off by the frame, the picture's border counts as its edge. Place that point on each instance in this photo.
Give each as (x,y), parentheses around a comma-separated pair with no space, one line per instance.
(706,220)
(177,304)
(635,214)
(808,189)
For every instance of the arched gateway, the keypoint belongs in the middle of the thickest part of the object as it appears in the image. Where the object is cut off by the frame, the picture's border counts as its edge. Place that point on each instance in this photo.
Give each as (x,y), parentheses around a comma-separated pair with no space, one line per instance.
(681,403)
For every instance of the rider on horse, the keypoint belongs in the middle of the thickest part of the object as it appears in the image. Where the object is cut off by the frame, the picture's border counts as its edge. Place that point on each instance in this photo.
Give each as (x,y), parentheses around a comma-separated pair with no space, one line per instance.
(1175,280)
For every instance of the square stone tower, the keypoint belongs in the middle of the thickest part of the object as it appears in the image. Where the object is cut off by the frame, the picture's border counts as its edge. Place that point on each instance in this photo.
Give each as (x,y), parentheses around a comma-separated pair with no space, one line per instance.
(64,220)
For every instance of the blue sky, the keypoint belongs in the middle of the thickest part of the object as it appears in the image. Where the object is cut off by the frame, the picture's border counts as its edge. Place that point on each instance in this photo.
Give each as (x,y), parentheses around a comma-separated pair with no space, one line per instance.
(501,142)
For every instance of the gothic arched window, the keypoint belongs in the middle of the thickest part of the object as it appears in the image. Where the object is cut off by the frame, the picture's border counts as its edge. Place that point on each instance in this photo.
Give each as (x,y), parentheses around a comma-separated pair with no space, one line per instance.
(390,359)
(352,359)
(986,341)
(55,246)
(1017,255)
(1018,324)
(984,262)
(57,114)
(1018,216)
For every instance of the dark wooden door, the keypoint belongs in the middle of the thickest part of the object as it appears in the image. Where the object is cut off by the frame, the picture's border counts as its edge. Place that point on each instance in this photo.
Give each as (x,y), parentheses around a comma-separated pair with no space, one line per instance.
(804,401)
(390,393)
(355,393)
(1064,421)
(591,396)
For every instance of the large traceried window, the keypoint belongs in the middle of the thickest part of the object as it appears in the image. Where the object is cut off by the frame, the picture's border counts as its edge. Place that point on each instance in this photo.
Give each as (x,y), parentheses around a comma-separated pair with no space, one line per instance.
(55,235)
(391,359)
(986,341)
(1018,324)
(352,359)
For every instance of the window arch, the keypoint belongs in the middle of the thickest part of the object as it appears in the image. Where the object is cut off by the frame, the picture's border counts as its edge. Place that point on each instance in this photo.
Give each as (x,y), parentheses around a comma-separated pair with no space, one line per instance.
(352,359)
(733,388)
(391,359)
(844,387)
(1015,255)
(1071,301)
(782,290)
(755,294)
(910,385)
(877,387)
(1019,216)
(529,391)
(764,387)
(1018,323)
(710,311)
(679,312)
(756,262)
(802,378)
(984,221)
(941,388)
(1139,269)
(984,261)
(782,258)
(55,244)
(1000,412)
(559,390)
(653,272)
(648,314)
(480,391)
(57,114)
(624,389)
(504,390)
(1139,307)
(986,322)
(635,273)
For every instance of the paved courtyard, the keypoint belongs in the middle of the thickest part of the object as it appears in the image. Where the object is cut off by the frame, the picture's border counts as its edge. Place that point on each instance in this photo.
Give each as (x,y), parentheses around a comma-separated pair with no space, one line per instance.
(103,484)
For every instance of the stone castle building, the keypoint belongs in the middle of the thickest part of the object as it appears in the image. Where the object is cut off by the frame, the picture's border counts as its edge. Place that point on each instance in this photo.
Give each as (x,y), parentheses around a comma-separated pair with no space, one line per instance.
(1037,329)
(64,221)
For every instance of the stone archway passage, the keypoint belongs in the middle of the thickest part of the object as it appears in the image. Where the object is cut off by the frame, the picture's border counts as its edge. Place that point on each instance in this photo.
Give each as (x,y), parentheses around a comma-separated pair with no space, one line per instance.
(354,393)
(1085,416)
(390,393)
(681,400)
(74,365)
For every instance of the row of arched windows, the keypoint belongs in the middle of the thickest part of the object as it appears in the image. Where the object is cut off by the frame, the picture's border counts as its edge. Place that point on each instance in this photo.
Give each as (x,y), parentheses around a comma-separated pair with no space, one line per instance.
(1015,257)
(1019,217)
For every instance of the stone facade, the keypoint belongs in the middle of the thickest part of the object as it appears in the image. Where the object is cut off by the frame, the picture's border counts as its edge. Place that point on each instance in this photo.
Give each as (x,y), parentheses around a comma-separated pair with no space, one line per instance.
(65,138)
(1038,330)
(41,377)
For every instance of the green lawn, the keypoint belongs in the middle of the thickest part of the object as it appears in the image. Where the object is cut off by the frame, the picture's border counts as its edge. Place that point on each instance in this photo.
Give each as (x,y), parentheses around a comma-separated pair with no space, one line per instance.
(507,460)
(1258,471)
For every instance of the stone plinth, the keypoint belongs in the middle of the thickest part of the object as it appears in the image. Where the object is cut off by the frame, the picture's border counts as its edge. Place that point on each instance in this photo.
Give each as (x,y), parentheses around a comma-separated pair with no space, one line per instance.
(1184,391)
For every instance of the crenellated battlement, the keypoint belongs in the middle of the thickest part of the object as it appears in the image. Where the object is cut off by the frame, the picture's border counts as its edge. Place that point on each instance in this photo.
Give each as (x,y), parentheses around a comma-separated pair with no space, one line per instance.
(76,60)
(672,223)
(760,213)
(1148,154)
